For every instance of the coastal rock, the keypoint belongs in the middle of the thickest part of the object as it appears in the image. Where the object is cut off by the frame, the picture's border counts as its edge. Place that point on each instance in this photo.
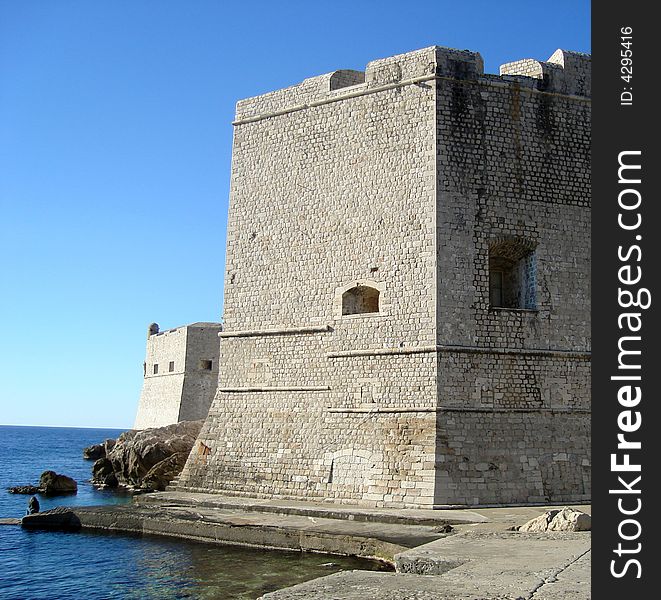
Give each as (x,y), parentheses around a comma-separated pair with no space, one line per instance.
(566,519)
(94,452)
(24,489)
(148,459)
(60,519)
(164,472)
(103,473)
(51,482)
(97,451)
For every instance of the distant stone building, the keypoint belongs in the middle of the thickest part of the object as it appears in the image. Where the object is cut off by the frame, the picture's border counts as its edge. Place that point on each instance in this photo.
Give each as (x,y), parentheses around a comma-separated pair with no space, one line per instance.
(407,293)
(180,374)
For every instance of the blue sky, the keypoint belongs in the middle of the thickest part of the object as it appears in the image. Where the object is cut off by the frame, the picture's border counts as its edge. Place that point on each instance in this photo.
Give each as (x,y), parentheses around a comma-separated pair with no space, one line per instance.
(115,145)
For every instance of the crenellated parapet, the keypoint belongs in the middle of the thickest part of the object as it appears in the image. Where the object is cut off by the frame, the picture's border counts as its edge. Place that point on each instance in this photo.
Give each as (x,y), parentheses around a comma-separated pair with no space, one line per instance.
(564,73)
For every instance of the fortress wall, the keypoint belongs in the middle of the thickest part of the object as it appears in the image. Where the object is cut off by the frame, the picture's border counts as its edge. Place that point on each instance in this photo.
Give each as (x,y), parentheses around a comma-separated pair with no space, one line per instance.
(313,453)
(502,381)
(511,457)
(160,401)
(268,437)
(514,162)
(201,381)
(322,198)
(160,398)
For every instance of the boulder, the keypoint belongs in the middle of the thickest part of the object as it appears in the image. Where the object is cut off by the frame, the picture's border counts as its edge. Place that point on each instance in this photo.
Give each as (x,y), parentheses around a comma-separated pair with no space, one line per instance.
(103,473)
(148,459)
(566,519)
(569,519)
(59,519)
(52,483)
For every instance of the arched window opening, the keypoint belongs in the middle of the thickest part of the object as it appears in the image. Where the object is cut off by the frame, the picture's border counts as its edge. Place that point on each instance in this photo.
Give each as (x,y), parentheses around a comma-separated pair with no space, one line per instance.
(512,274)
(361,299)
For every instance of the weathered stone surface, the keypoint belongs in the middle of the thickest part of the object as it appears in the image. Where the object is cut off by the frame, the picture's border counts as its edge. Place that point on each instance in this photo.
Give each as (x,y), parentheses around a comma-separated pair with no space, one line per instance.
(24,489)
(53,483)
(566,519)
(485,567)
(147,459)
(60,518)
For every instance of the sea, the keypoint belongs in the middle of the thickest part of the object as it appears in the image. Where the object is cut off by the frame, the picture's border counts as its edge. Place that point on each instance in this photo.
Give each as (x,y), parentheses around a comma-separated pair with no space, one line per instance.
(41,565)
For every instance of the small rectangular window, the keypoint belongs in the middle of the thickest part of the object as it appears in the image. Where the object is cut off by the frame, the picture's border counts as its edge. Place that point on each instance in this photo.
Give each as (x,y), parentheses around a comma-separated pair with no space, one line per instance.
(206,365)
(171,366)
(155,369)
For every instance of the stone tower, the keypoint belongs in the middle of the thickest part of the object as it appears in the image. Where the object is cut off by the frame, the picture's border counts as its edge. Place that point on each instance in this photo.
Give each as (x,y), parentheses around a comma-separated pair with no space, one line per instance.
(407,288)
(180,374)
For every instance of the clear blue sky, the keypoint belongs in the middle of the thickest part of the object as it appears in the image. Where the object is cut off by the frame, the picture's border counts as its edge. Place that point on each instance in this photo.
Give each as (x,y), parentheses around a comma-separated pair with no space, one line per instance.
(115,145)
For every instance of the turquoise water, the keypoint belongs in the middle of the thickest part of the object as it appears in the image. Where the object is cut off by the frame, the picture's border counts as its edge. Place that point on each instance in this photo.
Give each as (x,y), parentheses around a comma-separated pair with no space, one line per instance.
(51,565)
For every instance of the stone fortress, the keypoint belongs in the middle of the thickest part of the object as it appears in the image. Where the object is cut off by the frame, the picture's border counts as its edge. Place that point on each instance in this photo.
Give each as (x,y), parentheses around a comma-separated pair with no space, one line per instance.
(180,374)
(407,300)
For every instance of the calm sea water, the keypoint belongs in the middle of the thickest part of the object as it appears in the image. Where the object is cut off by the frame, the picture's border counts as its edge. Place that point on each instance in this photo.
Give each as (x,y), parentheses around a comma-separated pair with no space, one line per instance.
(39,565)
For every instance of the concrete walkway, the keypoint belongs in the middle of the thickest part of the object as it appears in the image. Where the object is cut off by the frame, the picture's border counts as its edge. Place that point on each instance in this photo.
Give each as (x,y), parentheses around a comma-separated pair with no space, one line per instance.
(258,529)
(521,570)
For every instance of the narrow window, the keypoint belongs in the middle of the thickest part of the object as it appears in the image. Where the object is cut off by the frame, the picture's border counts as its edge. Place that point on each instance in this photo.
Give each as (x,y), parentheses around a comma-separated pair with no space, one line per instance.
(496,288)
(361,299)
(171,366)
(206,365)
(155,369)
(144,369)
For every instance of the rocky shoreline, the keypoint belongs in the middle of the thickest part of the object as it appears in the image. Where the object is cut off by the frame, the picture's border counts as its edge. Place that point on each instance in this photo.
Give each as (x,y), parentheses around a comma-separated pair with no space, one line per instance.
(137,461)
(143,461)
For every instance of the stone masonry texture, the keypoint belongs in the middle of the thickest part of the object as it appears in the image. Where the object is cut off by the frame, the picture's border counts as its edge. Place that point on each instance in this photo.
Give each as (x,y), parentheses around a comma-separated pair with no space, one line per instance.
(180,374)
(452,208)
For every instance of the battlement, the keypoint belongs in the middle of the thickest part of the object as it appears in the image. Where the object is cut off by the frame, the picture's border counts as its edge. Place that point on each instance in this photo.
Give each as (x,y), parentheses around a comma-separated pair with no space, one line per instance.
(155,330)
(565,72)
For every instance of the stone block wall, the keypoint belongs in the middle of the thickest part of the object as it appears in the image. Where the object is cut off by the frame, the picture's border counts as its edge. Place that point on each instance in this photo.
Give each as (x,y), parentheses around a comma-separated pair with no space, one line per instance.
(512,457)
(514,164)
